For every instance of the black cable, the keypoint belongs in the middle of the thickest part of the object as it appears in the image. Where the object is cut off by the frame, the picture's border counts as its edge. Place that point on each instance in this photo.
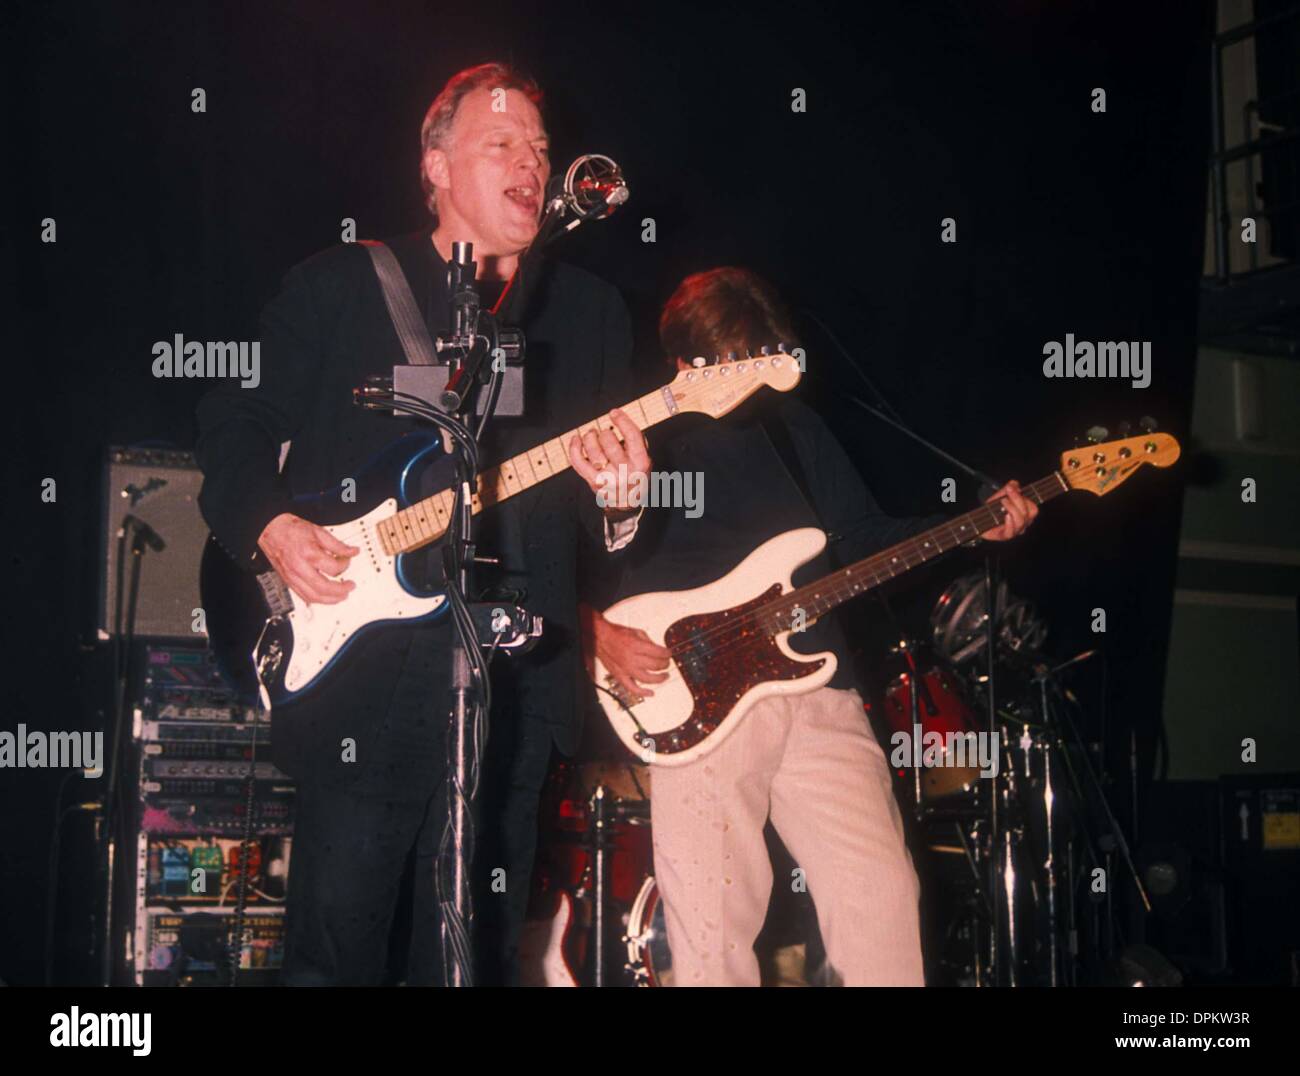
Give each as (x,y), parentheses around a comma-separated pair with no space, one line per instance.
(888,414)
(413,405)
(52,883)
(126,640)
(455,935)
(494,394)
(235,945)
(494,386)
(479,726)
(844,352)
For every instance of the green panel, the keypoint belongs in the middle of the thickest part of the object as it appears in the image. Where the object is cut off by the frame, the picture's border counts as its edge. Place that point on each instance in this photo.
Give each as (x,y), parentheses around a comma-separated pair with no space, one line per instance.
(1232,673)
(1217,513)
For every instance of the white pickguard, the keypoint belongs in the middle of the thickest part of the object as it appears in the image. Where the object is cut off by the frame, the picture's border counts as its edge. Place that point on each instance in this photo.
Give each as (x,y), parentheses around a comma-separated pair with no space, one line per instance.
(671,704)
(319,631)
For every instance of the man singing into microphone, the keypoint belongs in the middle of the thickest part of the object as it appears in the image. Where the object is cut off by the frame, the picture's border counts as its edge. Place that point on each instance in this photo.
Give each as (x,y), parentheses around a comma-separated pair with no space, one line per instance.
(808,761)
(367,745)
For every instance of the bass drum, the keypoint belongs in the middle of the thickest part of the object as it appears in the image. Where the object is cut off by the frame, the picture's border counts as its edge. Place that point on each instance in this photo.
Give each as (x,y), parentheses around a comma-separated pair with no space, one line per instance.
(648,960)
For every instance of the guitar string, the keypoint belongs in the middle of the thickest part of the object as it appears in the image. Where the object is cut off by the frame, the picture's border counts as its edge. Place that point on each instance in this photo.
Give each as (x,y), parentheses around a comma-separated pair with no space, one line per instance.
(688,394)
(1053,482)
(861,570)
(1045,489)
(1051,487)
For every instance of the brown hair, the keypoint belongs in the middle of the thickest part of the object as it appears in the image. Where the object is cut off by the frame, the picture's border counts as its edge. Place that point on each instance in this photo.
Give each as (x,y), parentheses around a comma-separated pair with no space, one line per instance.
(442,113)
(722,310)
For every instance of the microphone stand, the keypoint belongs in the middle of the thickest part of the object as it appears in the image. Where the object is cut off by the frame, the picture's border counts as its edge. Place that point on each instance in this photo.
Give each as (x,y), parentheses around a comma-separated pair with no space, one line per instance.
(108,805)
(467,349)
(459,553)
(461,971)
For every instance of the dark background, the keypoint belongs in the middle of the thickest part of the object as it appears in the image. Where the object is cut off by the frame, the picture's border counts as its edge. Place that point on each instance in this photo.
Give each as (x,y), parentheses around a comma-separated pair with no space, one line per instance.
(1067,221)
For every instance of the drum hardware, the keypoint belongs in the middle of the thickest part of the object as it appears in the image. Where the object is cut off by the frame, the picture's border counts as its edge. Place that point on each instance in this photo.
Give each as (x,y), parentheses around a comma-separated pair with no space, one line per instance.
(608,818)
(599,817)
(649,961)
(962,810)
(645,934)
(595,855)
(960,617)
(624,782)
(1034,834)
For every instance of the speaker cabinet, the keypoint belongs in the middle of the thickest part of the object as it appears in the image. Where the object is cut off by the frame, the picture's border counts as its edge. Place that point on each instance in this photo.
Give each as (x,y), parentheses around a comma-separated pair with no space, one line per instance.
(160,489)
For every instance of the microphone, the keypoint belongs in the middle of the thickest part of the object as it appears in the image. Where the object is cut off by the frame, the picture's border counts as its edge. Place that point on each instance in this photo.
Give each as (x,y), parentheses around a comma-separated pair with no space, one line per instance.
(594,186)
(591,189)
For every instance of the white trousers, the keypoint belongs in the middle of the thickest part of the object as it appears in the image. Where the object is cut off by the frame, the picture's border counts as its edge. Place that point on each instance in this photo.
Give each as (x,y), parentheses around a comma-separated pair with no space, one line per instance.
(812,763)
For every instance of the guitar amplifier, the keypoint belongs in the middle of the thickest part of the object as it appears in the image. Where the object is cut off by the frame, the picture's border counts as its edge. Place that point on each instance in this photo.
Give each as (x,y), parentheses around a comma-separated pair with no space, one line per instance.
(1261,856)
(159,488)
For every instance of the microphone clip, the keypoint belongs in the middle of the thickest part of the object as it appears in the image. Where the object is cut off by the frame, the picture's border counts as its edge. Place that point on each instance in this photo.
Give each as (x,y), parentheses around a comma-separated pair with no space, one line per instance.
(591,189)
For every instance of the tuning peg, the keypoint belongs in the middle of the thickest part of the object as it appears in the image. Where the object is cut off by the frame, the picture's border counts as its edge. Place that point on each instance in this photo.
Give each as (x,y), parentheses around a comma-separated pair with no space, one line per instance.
(699,361)
(1124,429)
(764,350)
(783,347)
(1147,424)
(731,356)
(1096,434)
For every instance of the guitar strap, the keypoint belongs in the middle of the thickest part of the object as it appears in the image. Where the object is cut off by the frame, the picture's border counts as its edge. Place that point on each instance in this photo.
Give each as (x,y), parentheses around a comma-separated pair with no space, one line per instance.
(411,329)
(408,323)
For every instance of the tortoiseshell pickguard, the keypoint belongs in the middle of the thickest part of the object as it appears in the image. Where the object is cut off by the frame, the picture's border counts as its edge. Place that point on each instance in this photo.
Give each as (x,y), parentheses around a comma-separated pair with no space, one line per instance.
(720,660)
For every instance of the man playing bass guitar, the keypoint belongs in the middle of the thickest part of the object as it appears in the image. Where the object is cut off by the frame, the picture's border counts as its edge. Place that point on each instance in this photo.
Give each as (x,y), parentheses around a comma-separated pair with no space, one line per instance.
(809,761)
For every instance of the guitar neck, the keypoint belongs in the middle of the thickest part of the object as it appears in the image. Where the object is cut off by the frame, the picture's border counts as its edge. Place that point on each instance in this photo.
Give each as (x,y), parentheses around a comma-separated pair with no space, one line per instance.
(817,598)
(426,521)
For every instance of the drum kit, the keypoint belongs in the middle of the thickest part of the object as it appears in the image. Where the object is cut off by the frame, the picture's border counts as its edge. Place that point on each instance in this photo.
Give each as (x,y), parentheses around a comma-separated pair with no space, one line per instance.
(1022,854)
(1019,854)
(595,918)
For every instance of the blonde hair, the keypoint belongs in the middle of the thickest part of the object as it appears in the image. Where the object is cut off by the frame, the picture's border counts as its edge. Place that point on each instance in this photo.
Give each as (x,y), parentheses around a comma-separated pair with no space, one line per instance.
(442,113)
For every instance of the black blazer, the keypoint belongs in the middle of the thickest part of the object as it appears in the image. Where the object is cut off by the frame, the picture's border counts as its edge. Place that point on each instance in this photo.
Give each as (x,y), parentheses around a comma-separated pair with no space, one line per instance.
(320,336)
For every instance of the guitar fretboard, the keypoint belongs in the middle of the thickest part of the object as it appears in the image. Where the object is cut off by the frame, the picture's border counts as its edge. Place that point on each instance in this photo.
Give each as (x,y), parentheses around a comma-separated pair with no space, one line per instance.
(782,612)
(427,520)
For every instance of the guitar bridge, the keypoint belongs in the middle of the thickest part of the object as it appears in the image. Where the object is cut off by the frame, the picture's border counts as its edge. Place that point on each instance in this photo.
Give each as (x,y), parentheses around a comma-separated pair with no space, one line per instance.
(276,593)
(625,698)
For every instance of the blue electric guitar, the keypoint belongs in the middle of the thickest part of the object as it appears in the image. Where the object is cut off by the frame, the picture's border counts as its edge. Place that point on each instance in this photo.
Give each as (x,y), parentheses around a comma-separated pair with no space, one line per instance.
(256,623)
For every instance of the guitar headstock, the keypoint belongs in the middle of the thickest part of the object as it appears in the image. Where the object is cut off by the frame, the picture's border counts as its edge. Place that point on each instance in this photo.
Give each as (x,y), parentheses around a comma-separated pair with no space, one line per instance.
(718,387)
(1101,467)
